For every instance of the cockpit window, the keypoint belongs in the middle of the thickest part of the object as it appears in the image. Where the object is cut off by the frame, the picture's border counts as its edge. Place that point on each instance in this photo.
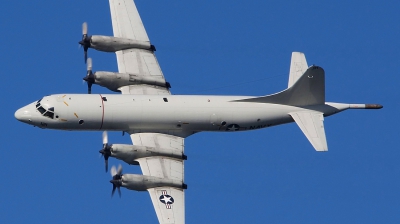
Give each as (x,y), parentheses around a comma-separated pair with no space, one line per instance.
(47,113)
(41,109)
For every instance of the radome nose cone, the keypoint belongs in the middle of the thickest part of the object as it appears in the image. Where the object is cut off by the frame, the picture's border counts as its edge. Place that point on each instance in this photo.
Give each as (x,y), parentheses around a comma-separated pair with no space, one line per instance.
(23,114)
(18,114)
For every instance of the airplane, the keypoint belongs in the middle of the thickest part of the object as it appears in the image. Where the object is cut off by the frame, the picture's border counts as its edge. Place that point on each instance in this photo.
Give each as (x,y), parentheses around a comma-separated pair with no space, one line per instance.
(159,122)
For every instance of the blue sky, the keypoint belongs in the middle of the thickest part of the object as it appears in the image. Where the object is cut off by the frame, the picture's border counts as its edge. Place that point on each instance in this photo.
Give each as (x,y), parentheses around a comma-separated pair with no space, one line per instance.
(271,175)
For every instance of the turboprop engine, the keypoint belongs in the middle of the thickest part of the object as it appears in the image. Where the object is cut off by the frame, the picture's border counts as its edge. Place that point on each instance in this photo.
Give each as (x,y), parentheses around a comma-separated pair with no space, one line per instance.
(114,80)
(113,44)
(130,153)
(140,182)
(110,44)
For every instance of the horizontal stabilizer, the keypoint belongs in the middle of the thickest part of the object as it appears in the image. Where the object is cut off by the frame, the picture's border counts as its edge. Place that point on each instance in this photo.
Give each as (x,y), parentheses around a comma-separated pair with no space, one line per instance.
(312,125)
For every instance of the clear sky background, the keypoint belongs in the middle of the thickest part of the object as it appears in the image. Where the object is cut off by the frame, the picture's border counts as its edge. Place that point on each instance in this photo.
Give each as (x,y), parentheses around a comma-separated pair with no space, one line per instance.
(217,47)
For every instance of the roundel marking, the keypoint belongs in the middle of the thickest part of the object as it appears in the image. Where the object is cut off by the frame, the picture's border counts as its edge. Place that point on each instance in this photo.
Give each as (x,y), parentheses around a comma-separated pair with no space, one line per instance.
(232,127)
(166,199)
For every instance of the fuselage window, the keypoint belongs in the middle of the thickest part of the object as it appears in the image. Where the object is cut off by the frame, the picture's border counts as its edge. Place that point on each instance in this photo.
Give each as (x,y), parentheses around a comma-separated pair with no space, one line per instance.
(165,99)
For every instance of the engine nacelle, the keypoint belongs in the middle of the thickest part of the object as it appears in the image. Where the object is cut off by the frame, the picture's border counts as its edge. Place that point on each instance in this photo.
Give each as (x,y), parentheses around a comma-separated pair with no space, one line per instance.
(114,80)
(130,153)
(113,44)
(142,182)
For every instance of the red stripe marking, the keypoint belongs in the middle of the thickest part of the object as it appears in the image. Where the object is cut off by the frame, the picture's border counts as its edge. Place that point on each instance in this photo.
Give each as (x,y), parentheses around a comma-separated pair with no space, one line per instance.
(102,105)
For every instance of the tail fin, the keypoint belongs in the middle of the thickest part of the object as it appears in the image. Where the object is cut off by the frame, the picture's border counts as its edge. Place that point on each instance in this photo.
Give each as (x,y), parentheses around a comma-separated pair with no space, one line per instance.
(306,87)
(309,89)
(298,66)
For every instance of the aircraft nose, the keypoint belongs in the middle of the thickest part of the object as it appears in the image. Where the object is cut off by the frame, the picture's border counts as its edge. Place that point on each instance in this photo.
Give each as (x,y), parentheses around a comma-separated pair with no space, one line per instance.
(23,114)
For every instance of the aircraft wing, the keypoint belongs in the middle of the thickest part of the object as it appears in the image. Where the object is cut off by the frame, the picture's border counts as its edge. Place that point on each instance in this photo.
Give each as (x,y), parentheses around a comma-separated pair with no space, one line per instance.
(168,202)
(126,23)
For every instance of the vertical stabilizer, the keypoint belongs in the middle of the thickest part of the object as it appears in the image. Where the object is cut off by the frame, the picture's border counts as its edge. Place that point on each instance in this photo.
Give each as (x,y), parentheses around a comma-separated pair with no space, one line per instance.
(298,66)
(309,89)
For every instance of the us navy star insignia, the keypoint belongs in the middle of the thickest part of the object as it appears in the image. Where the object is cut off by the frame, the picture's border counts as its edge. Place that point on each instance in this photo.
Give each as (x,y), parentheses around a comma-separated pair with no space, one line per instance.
(166,199)
(232,127)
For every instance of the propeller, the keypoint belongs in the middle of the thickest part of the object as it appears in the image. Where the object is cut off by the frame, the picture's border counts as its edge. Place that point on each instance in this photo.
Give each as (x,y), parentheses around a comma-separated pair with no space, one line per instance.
(89,78)
(106,150)
(85,42)
(117,179)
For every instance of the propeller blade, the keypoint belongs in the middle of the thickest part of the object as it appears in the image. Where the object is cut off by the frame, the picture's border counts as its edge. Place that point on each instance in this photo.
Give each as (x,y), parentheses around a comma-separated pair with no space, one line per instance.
(113,190)
(113,171)
(106,162)
(117,179)
(85,42)
(106,150)
(119,172)
(89,78)
(84,28)
(105,137)
(89,88)
(89,64)
(106,153)
(85,53)
(115,186)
